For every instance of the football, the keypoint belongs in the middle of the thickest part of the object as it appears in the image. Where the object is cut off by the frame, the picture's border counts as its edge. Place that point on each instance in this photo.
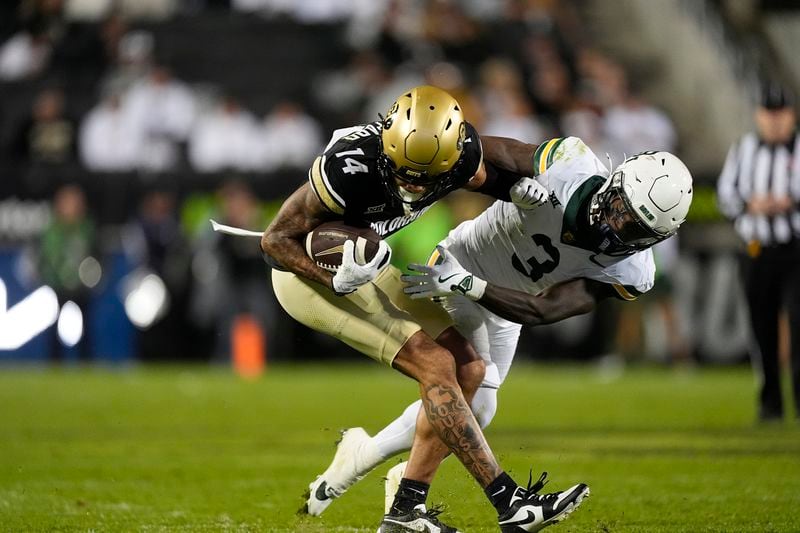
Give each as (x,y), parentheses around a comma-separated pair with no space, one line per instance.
(324,244)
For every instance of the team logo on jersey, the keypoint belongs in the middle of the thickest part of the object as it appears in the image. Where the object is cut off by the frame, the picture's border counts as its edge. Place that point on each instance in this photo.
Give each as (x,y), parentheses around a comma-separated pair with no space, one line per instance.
(553,200)
(375,209)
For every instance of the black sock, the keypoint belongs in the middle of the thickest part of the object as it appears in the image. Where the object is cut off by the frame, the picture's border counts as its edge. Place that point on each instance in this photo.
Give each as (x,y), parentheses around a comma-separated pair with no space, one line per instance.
(410,493)
(500,491)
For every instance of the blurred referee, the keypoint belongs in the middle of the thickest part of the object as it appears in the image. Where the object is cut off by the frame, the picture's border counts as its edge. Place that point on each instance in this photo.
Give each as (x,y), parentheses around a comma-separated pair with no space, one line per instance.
(759,189)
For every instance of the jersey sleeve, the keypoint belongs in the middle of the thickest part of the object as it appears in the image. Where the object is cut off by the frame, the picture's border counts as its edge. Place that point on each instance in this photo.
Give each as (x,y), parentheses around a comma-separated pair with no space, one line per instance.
(349,155)
(326,185)
(564,164)
(473,153)
(545,155)
(566,153)
(631,277)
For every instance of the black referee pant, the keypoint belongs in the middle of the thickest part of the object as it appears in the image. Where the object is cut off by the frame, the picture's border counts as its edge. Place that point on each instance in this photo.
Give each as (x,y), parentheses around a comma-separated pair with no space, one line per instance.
(772,280)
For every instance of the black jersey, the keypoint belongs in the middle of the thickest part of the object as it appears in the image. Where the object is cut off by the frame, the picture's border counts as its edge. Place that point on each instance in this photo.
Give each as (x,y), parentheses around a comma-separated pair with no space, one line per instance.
(348,180)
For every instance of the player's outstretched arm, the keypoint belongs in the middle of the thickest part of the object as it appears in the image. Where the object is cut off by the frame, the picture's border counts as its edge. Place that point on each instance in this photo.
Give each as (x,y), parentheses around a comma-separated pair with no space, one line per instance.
(509,154)
(563,300)
(556,303)
(506,167)
(283,239)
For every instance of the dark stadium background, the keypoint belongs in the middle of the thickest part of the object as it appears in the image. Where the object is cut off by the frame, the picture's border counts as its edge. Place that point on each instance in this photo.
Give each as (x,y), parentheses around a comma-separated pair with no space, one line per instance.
(125,125)
(335,62)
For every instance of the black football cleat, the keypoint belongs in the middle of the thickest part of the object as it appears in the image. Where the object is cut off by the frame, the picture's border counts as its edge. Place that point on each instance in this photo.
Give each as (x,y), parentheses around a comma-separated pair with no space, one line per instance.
(419,519)
(531,511)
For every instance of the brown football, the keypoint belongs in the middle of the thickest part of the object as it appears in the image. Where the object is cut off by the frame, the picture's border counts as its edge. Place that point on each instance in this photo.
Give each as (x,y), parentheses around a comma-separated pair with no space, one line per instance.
(324,244)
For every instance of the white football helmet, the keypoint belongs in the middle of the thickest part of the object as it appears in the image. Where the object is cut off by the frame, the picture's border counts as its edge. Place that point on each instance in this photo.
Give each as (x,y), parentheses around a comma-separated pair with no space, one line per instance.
(643,202)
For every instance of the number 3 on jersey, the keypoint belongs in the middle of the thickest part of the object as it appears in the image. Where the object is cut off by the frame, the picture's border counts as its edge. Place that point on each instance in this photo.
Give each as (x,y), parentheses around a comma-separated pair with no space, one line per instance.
(539,269)
(351,166)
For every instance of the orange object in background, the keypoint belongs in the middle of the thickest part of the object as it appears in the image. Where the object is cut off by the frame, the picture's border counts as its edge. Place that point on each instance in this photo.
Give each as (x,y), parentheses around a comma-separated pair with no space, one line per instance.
(248,348)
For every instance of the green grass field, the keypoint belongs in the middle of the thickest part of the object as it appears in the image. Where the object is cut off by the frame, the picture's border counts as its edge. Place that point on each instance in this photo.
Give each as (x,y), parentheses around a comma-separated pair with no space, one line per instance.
(197,449)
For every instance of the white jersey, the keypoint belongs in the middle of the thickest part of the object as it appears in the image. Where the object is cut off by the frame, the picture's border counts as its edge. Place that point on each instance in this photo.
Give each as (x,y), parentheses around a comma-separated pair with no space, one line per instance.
(530,250)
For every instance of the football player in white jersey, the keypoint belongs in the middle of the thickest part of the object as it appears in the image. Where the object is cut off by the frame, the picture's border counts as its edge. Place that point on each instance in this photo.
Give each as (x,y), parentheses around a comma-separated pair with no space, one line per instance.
(384,175)
(573,235)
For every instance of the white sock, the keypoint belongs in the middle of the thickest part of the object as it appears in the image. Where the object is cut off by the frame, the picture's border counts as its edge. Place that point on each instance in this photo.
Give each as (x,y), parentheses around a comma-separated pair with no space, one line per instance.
(484,405)
(398,436)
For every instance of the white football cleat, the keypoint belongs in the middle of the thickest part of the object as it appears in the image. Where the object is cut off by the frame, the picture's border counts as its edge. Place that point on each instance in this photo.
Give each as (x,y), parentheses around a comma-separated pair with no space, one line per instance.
(355,456)
(392,483)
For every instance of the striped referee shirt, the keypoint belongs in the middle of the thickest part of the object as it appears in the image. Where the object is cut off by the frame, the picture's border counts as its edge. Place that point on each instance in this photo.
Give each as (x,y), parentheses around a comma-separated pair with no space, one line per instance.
(752,169)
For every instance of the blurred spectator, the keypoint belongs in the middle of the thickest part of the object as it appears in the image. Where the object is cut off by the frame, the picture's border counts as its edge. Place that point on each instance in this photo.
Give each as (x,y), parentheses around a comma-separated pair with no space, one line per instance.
(382,92)
(303,11)
(87,10)
(49,14)
(151,10)
(630,126)
(347,88)
(653,326)
(500,80)
(155,245)
(551,87)
(67,264)
(320,11)
(240,285)
(508,110)
(759,188)
(517,121)
(110,140)
(456,36)
(600,85)
(25,55)
(131,56)
(450,77)
(47,135)
(289,138)
(225,139)
(633,126)
(602,82)
(163,108)
(678,346)
(586,122)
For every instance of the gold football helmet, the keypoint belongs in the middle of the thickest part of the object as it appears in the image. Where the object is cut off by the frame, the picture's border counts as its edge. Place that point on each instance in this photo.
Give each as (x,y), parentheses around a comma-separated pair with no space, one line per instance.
(422,142)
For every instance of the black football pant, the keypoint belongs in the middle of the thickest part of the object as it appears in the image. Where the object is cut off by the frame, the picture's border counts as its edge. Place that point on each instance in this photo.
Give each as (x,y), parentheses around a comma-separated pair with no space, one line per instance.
(772,280)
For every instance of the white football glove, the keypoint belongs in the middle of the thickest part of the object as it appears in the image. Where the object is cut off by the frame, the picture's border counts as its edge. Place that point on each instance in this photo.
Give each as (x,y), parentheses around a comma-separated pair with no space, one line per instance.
(528,193)
(443,279)
(350,275)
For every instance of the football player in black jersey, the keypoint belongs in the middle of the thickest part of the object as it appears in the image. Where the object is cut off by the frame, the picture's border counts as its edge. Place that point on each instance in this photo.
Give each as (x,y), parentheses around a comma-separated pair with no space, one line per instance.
(386,174)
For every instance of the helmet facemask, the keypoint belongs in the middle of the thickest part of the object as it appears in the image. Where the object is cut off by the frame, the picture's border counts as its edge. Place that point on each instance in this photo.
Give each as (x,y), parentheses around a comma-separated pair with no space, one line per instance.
(623,230)
(434,185)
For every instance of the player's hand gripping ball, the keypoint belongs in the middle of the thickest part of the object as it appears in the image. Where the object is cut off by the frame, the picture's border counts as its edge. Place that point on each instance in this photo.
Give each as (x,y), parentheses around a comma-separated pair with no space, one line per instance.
(355,254)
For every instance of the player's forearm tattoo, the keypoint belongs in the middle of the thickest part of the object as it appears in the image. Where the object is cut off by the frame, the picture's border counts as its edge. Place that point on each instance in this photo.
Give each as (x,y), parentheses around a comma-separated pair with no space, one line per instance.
(299,214)
(455,424)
